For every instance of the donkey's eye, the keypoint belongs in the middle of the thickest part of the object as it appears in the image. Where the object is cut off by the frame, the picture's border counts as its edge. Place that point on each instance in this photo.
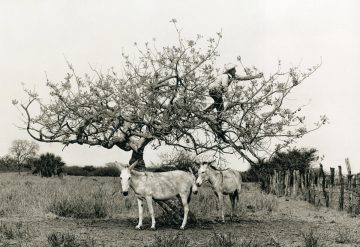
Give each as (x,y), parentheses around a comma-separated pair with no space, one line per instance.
(128,178)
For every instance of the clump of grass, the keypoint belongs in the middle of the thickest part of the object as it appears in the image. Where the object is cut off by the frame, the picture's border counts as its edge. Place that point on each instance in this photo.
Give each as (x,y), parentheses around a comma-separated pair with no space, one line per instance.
(89,205)
(223,240)
(13,230)
(310,239)
(173,239)
(231,240)
(59,239)
(344,236)
(258,201)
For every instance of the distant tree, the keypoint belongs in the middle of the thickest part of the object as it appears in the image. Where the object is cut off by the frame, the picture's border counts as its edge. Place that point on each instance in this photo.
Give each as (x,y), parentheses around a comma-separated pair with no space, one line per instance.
(48,165)
(21,151)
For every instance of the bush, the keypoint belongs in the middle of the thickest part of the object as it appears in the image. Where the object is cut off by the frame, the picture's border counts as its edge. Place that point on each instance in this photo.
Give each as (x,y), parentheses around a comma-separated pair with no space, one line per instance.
(310,239)
(48,165)
(87,171)
(295,159)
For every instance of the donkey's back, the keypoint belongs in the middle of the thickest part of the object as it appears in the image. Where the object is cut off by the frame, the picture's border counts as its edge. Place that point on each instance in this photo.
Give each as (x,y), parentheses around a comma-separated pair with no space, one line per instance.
(165,185)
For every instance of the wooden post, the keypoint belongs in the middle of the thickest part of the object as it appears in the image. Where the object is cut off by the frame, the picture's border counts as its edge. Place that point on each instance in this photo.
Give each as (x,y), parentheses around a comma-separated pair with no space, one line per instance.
(296,183)
(350,193)
(341,197)
(332,177)
(326,197)
(287,183)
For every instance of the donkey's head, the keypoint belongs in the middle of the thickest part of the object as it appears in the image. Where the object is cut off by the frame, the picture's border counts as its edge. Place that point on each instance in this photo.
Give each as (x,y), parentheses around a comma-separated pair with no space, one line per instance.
(125,177)
(194,187)
(203,173)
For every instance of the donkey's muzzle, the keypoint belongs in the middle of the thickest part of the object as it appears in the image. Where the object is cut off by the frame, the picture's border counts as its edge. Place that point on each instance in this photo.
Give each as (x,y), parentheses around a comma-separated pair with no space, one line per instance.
(198,184)
(195,192)
(125,193)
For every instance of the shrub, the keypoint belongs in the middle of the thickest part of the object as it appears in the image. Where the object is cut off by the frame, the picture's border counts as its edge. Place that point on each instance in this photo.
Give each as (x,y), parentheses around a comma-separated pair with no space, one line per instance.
(48,165)
(87,171)
(310,239)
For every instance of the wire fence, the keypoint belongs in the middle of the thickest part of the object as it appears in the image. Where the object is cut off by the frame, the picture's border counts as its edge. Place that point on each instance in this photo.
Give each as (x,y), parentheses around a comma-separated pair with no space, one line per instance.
(318,188)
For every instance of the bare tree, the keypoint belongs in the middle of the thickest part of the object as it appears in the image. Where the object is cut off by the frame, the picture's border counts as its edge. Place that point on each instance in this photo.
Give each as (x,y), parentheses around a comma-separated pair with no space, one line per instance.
(22,151)
(159,97)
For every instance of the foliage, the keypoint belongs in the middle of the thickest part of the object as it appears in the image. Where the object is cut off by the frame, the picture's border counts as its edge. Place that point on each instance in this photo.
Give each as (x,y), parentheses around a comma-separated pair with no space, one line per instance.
(22,151)
(108,171)
(159,98)
(293,159)
(181,160)
(48,165)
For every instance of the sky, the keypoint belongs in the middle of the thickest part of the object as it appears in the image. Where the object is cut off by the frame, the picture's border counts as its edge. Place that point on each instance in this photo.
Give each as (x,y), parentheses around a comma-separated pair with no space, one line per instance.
(36,36)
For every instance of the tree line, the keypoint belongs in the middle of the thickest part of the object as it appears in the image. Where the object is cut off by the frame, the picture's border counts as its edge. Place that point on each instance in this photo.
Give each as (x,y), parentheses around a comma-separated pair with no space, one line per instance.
(23,157)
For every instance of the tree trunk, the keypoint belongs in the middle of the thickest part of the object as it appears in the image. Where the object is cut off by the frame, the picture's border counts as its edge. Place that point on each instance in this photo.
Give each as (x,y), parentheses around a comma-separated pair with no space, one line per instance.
(172,207)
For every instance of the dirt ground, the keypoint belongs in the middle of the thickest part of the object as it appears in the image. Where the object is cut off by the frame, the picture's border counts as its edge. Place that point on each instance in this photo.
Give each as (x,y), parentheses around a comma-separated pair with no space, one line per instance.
(285,226)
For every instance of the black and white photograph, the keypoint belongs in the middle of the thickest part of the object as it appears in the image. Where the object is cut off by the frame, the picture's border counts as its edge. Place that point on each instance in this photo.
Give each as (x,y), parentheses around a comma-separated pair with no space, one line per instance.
(154,123)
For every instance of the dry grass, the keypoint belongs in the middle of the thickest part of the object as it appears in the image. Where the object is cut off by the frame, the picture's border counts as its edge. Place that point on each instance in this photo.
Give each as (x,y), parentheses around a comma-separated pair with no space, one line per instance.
(86,197)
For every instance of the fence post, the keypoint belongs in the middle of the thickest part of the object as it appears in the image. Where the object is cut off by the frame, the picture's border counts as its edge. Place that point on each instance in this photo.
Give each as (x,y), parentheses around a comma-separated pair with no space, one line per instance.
(295,183)
(287,183)
(326,197)
(350,192)
(332,176)
(341,197)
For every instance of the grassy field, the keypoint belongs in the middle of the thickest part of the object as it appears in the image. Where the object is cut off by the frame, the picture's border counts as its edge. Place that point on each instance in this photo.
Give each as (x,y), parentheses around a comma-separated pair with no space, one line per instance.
(89,211)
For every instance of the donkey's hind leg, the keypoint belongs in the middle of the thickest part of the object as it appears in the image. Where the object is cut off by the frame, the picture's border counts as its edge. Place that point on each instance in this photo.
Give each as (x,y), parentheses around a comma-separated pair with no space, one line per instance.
(232,197)
(184,200)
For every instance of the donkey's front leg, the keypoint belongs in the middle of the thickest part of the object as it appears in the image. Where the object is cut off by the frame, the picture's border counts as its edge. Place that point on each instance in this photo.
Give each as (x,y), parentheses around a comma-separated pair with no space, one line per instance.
(151,211)
(184,200)
(141,210)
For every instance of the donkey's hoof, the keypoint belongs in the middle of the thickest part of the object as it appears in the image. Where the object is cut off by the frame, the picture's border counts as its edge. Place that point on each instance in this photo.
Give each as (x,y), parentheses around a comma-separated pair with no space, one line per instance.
(153,228)
(138,227)
(182,227)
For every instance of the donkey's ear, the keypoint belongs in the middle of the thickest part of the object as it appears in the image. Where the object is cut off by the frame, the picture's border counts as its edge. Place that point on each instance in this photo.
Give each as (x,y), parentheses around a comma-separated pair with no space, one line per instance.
(191,171)
(119,165)
(133,165)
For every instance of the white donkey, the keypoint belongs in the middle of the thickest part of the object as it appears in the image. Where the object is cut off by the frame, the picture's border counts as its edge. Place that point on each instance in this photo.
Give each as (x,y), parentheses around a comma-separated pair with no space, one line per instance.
(159,186)
(223,182)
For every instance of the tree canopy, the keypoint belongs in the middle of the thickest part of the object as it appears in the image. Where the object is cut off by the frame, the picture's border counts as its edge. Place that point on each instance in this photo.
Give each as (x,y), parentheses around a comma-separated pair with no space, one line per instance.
(159,97)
